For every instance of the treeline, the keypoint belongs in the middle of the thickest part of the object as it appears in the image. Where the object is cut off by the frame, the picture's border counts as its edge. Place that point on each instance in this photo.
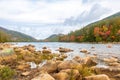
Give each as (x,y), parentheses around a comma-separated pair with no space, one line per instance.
(106,30)
(4,37)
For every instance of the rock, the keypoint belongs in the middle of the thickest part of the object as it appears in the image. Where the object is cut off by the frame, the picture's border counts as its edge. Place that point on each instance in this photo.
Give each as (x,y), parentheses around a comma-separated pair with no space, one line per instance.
(68,64)
(23,67)
(43,76)
(109,46)
(108,71)
(73,73)
(50,67)
(97,77)
(61,76)
(46,51)
(83,50)
(25,73)
(92,47)
(31,49)
(64,50)
(64,55)
(89,61)
(117,77)
(116,64)
(110,60)
(77,58)
(44,47)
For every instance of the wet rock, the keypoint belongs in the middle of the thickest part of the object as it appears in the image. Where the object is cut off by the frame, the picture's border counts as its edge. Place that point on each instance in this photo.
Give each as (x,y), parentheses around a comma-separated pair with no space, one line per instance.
(64,50)
(68,64)
(109,46)
(97,77)
(84,50)
(44,47)
(43,76)
(61,76)
(92,47)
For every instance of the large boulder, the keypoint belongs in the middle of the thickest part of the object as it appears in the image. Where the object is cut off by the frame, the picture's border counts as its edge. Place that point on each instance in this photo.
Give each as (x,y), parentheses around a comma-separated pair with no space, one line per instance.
(88,61)
(61,76)
(68,64)
(97,77)
(43,76)
(73,73)
(110,71)
(50,66)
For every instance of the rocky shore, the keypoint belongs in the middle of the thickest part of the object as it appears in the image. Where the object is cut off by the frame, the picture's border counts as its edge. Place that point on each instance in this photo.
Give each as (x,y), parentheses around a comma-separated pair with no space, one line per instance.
(27,63)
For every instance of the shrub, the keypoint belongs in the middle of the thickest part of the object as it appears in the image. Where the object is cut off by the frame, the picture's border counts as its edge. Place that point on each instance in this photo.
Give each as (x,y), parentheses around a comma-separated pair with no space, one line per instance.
(84,70)
(6,73)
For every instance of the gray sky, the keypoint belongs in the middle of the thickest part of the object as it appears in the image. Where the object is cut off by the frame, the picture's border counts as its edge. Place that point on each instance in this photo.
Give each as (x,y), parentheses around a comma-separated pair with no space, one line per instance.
(42,18)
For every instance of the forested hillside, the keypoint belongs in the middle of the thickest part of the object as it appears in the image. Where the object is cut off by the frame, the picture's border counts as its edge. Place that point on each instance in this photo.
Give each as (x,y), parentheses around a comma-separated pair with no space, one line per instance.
(13,36)
(105,30)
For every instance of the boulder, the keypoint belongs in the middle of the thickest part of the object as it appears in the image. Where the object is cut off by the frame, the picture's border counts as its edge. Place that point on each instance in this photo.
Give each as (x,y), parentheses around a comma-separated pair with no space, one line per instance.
(25,73)
(117,77)
(115,64)
(31,49)
(46,51)
(89,61)
(68,64)
(64,50)
(44,47)
(61,76)
(77,58)
(73,73)
(110,60)
(43,76)
(50,67)
(23,67)
(110,71)
(84,50)
(97,77)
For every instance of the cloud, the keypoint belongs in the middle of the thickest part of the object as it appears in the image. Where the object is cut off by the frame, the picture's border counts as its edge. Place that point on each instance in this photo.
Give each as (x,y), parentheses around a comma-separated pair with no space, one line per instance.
(95,13)
(38,11)
(42,18)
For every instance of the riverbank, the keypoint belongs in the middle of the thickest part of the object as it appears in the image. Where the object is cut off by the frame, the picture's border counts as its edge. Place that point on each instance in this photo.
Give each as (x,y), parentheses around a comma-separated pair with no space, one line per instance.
(29,63)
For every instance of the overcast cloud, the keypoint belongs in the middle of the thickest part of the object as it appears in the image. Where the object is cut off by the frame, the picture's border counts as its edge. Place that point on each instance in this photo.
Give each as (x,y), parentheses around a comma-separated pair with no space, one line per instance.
(42,18)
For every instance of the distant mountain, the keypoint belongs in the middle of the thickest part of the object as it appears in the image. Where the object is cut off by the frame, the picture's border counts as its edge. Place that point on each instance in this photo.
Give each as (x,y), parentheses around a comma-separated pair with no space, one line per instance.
(10,35)
(53,38)
(105,30)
